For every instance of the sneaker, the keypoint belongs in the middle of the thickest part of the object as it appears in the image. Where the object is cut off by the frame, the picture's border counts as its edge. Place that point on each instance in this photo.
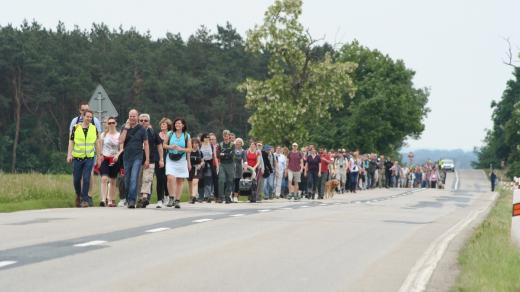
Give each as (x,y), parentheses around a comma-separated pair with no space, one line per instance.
(165,200)
(84,204)
(90,202)
(78,202)
(139,203)
(131,205)
(143,204)
(171,202)
(122,203)
(177,204)
(193,200)
(159,204)
(102,204)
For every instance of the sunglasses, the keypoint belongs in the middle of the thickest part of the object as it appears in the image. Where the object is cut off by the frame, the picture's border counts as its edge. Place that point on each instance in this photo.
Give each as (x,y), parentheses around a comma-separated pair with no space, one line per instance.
(111,123)
(143,121)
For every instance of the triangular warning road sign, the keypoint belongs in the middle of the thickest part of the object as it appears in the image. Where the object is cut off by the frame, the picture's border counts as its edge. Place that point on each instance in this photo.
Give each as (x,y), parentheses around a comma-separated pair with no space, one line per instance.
(101,105)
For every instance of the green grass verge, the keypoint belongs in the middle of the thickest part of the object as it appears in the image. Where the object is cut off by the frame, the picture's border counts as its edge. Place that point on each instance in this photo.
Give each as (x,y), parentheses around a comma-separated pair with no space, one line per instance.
(41,191)
(490,262)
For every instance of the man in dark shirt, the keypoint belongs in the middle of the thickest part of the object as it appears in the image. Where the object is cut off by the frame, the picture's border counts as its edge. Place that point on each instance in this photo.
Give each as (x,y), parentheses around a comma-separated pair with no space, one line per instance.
(493,178)
(268,159)
(388,173)
(156,157)
(226,173)
(134,138)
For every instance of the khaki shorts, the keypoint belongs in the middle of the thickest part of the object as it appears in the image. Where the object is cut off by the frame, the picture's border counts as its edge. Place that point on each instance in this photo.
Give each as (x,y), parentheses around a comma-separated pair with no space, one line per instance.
(296,175)
(147,179)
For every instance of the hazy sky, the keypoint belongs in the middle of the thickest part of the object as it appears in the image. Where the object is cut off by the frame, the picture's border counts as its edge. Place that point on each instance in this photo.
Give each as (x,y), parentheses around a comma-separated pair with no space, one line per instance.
(456,47)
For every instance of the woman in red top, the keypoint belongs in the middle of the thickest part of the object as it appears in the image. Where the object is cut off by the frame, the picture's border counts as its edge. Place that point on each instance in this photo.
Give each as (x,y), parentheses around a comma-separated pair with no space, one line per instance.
(253,156)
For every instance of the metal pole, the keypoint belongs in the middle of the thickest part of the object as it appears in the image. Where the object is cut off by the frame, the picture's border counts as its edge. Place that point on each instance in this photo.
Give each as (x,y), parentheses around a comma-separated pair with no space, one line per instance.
(100,103)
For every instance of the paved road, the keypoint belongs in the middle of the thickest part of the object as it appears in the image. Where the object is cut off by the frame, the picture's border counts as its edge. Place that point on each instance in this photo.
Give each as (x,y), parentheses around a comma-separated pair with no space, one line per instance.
(378,240)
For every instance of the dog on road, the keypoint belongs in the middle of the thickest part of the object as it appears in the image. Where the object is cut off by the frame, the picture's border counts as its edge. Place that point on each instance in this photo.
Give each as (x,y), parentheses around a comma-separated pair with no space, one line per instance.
(330,188)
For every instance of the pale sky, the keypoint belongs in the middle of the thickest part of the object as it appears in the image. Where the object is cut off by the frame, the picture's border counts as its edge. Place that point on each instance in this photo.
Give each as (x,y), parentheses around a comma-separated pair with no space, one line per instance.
(456,47)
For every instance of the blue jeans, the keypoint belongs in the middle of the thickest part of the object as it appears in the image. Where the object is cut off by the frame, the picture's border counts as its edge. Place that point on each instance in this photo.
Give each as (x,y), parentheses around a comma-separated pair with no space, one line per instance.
(82,169)
(132,169)
(269,186)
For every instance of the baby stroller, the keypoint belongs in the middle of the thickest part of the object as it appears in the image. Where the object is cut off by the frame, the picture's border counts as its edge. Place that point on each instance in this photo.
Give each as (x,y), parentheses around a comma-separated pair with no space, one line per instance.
(247,185)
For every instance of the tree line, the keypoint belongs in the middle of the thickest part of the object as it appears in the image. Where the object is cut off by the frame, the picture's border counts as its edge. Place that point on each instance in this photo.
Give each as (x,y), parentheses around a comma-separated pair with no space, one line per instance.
(501,148)
(45,73)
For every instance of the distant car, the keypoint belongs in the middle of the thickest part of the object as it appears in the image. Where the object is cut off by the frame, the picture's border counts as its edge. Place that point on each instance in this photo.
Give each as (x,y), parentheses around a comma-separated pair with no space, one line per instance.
(448,165)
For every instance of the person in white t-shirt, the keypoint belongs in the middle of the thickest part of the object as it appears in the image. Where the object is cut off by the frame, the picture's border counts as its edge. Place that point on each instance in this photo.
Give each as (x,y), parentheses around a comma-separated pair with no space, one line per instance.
(279,171)
(109,166)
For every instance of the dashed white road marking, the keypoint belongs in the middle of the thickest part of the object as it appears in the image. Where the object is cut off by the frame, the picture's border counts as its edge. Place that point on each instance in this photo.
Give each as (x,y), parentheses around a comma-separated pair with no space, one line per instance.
(6,263)
(157,229)
(202,220)
(90,243)
(286,208)
(237,215)
(304,206)
(264,210)
(323,204)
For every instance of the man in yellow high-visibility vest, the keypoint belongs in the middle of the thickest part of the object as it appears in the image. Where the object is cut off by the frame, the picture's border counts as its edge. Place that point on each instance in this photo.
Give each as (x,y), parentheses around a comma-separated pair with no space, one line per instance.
(82,153)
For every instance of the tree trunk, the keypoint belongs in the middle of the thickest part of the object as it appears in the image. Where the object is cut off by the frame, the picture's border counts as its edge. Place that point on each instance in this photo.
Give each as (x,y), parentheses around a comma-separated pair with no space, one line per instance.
(17,87)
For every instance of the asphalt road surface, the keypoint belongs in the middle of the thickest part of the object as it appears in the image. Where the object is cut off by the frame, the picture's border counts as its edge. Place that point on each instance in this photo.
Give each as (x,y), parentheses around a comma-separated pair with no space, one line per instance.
(376,240)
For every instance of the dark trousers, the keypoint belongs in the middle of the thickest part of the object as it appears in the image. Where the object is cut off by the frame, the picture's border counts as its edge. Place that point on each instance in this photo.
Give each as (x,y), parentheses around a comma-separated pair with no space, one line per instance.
(353,181)
(214,177)
(312,182)
(162,189)
(82,170)
(226,177)
(388,181)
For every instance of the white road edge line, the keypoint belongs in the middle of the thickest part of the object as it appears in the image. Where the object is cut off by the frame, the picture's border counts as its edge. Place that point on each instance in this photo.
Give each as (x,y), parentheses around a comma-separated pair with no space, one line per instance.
(264,210)
(6,263)
(237,215)
(323,204)
(157,229)
(202,220)
(304,206)
(423,269)
(456,187)
(90,243)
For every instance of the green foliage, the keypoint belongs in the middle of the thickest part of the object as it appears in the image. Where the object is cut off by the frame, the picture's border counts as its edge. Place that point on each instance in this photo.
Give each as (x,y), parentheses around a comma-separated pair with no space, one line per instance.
(299,89)
(280,85)
(196,79)
(501,142)
(385,109)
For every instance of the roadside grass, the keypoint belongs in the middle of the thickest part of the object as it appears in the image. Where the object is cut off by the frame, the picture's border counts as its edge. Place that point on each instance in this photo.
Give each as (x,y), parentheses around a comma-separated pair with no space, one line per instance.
(40,191)
(489,261)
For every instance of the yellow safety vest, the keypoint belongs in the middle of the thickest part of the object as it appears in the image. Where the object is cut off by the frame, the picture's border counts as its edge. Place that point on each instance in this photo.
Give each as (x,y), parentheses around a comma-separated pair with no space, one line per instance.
(84,147)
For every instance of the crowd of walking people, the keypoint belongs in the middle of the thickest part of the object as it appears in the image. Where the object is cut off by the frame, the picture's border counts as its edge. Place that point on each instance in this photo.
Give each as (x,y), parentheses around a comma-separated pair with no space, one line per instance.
(129,157)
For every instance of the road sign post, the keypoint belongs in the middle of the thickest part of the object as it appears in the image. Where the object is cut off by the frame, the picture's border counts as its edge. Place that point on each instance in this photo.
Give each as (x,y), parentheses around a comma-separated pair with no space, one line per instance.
(102,106)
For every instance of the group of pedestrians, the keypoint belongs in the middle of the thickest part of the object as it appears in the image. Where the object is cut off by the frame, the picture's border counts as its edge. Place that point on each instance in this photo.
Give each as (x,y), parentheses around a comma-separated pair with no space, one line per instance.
(216,171)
